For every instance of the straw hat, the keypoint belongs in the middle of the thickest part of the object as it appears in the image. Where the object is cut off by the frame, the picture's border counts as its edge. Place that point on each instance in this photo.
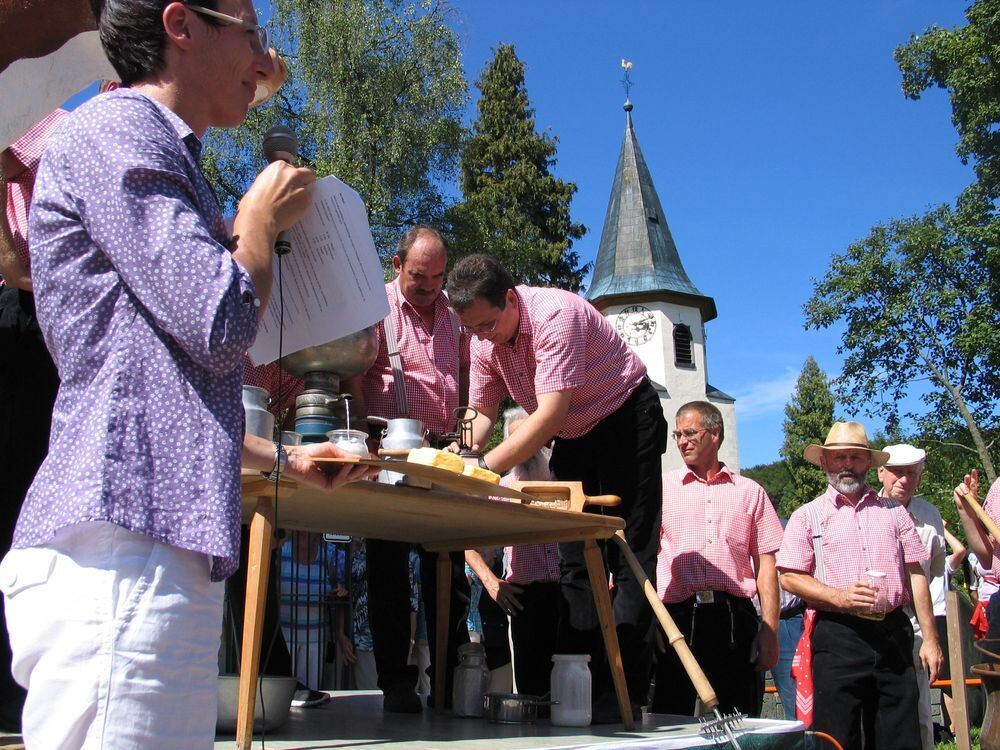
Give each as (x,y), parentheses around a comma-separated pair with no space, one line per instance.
(844,436)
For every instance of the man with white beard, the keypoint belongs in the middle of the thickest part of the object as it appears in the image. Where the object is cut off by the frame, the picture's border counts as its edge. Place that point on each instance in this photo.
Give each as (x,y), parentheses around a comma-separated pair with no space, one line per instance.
(854,558)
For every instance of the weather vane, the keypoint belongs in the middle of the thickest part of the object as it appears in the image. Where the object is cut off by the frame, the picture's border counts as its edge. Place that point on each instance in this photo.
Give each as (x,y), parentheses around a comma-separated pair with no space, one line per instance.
(626,80)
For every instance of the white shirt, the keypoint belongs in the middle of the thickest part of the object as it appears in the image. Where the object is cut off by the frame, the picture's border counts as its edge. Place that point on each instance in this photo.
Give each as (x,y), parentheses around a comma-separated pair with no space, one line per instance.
(930,529)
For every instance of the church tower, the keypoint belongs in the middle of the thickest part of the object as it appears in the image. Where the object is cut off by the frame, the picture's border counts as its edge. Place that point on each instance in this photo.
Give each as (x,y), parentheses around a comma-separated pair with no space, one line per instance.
(640,285)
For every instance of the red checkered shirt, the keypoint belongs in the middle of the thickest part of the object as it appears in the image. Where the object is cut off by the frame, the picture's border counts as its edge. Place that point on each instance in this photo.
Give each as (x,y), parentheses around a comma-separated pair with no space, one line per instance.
(282,387)
(530,563)
(992,508)
(430,365)
(855,539)
(709,533)
(562,343)
(28,150)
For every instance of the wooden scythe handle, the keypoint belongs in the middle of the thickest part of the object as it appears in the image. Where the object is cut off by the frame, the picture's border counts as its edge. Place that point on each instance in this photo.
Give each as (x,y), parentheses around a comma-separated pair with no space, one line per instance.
(982,515)
(701,684)
(608,501)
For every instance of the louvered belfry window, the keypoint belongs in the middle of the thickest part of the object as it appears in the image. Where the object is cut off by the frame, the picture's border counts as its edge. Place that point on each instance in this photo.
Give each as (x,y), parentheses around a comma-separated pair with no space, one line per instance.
(682,346)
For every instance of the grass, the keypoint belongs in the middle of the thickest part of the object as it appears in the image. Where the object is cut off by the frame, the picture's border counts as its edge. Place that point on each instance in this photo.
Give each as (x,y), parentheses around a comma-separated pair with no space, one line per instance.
(974,731)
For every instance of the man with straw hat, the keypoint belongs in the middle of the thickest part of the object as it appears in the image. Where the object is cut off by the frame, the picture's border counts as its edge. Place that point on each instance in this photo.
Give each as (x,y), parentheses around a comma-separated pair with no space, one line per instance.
(854,557)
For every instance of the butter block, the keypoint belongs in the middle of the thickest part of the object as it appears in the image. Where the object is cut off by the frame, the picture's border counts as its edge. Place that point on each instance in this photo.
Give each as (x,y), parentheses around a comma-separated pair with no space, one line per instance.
(437,458)
(484,474)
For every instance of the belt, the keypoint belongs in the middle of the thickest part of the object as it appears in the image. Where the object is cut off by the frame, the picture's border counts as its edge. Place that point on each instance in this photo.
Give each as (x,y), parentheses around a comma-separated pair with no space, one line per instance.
(893,619)
(787,614)
(716,601)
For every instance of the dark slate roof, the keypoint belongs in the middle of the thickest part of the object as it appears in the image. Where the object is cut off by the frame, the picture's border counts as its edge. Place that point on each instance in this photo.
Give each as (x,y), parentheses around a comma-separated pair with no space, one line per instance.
(637,255)
(714,393)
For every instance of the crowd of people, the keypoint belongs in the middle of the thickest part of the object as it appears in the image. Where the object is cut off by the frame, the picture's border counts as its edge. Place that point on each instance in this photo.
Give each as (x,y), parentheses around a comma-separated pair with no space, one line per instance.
(124,281)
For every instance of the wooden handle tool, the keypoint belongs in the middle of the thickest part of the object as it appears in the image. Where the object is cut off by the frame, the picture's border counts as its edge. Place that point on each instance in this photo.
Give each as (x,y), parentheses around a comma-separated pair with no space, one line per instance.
(694,671)
(982,515)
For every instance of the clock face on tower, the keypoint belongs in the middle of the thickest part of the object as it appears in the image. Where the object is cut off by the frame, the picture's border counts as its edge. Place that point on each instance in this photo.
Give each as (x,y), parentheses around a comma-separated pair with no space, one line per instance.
(636,324)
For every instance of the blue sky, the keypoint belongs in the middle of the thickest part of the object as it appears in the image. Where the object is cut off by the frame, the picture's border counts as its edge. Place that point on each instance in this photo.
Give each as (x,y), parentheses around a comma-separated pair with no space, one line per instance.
(776,134)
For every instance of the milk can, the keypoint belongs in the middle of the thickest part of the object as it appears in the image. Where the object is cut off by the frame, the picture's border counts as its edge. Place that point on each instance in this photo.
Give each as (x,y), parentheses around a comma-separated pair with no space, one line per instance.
(259,421)
(570,685)
(472,677)
(399,434)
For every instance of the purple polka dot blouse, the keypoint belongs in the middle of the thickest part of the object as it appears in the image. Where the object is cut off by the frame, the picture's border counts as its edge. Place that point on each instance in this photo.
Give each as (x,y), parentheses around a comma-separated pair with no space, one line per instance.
(147,317)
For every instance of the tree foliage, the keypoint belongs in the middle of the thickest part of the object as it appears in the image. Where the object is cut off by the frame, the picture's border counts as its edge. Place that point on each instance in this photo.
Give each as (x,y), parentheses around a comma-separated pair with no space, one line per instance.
(375,95)
(775,480)
(915,298)
(808,419)
(966,62)
(514,208)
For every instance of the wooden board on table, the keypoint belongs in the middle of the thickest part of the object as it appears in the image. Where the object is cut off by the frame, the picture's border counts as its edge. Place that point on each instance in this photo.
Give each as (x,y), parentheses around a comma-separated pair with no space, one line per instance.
(442,477)
(439,520)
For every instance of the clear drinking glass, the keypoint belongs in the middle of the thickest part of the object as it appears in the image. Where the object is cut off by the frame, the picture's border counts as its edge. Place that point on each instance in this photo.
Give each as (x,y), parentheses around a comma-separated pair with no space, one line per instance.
(876,579)
(290,437)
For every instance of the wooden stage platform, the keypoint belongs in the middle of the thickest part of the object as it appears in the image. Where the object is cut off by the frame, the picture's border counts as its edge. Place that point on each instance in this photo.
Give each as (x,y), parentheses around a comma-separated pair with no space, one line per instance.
(354,719)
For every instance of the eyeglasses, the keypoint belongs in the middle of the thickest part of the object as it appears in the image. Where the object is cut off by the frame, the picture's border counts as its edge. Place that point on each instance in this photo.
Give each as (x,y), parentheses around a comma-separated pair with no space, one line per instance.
(230,20)
(688,435)
(483,329)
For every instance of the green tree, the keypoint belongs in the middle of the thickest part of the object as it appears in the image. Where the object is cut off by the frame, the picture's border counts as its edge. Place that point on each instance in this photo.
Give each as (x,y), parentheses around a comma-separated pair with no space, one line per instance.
(514,208)
(808,418)
(774,478)
(914,298)
(965,62)
(376,94)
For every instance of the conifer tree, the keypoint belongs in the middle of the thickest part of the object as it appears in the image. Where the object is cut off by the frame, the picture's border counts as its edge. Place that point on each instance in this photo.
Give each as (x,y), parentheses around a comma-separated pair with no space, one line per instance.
(514,208)
(808,418)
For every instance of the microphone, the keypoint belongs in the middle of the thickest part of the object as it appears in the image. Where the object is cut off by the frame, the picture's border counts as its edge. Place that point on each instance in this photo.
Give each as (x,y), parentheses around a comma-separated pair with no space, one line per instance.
(280,144)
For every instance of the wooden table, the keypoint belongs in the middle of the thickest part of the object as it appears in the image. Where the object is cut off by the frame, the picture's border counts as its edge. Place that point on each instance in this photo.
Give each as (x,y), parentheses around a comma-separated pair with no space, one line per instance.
(441,522)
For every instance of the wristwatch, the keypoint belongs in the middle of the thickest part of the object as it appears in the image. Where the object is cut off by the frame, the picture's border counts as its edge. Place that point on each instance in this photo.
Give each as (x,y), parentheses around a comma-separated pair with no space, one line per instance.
(280,461)
(482,463)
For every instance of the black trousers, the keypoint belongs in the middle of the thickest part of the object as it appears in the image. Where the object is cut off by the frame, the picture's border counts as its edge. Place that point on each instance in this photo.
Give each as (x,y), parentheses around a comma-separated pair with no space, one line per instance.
(275,659)
(993,618)
(389,609)
(864,681)
(533,631)
(620,456)
(458,613)
(721,637)
(496,626)
(28,386)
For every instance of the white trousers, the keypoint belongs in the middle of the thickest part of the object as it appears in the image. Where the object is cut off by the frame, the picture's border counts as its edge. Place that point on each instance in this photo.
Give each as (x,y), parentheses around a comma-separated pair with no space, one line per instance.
(116,638)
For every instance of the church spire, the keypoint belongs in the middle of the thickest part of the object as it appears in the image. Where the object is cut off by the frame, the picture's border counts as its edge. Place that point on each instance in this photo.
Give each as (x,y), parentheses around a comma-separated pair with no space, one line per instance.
(637,255)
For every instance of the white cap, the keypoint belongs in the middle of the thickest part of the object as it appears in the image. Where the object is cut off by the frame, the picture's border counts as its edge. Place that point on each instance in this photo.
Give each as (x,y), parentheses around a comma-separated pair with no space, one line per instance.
(904,455)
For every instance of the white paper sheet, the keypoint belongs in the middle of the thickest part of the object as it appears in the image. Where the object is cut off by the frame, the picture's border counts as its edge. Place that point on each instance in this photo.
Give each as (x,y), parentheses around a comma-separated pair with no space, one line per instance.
(332,279)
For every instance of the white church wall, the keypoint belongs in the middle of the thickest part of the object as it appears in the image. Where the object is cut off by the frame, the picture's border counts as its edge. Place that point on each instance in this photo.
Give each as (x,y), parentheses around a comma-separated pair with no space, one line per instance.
(648,327)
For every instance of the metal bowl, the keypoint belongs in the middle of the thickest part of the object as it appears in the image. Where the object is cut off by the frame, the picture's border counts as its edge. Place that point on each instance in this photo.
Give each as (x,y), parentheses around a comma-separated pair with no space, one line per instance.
(512,708)
(347,356)
(273,701)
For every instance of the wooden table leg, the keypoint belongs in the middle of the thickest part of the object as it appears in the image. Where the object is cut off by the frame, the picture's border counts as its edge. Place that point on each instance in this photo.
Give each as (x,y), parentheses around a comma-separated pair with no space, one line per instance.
(443,617)
(960,701)
(258,569)
(602,600)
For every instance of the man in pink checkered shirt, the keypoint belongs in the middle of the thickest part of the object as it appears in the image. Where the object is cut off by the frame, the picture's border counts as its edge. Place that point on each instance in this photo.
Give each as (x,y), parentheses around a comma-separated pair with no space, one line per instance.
(862,640)
(587,392)
(717,543)
(434,364)
(28,378)
(987,548)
